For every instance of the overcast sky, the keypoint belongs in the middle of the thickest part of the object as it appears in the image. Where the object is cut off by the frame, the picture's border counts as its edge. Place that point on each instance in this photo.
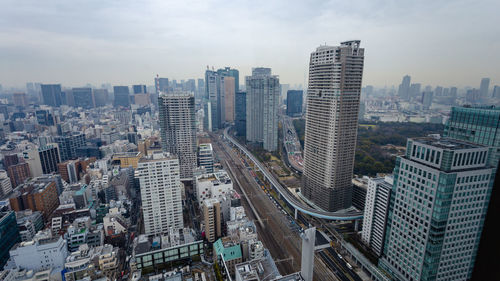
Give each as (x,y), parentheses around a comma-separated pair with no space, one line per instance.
(75,42)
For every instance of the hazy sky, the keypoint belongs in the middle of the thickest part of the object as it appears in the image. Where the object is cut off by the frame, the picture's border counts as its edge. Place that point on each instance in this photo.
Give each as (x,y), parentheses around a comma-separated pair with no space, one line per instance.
(75,42)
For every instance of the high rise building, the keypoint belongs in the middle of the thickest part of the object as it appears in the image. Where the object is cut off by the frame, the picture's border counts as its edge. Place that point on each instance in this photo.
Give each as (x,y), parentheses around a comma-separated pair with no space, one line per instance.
(333,95)
(214,96)
(294,103)
(161,84)
(473,96)
(20,99)
(49,157)
(263,91)
(100,97)
(404,88)
(206,157)
(160,192)
(240,113)
(69,143)
(139,89)
(178,129)
(121,94)
(375,212)
(200,90)
(228,71)
(10,235)
(437,208)
(51,94)
(496,92)
(5,184)
(427,98)
(36,195)
(83,97)
(212,219)
(18,173)
(229,99)
(484,88)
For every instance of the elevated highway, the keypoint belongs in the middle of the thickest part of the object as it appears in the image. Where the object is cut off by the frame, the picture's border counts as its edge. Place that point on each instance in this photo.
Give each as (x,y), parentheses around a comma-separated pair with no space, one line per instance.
(290,198)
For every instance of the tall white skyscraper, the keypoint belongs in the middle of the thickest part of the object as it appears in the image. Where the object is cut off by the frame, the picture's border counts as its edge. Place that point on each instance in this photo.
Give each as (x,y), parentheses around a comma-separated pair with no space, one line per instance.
(333,95)
(437,208)
(160,192)
(214,100)
(263,91)
(178,129)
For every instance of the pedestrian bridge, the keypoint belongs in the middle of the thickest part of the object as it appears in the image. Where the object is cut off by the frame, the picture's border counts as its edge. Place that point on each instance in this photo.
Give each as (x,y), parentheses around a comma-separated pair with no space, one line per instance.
(344,215)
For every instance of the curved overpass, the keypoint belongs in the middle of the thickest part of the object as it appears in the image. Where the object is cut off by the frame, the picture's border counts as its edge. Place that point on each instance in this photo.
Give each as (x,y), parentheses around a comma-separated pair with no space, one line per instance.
(292,200)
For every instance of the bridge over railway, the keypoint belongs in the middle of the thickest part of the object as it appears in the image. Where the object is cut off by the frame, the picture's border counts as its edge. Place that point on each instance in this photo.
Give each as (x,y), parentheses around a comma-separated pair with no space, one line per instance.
(290,198)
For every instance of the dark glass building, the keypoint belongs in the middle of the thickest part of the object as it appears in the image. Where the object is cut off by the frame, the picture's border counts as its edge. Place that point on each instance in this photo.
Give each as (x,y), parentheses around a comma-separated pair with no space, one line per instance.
(83,97)
(240,113)
(9,233)
(294,103)
(69,143)
(121,96)
(51,94)
(139,89)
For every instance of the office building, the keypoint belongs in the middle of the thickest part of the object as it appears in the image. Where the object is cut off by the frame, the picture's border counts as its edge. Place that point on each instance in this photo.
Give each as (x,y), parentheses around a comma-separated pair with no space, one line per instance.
(160,192)
(69,143)
(9,160)
(49,158)
(5,184)
(294,103)
(212,219)
(496,92)
(227,251)
(29,223)
(200,89)
(263,90)
(427,98)
(404,88)
(437,208)
(47,251)
(83,97)
(240,113)
(100,97)
(178,129)
(161,85)
(214,100)
(484,88)
(20,99)
(331,124)
(9,234)
(139,89)
(18,173)
(206,157)
(229,99)
(121,94)
(51,94)
(213,186)
(473,96)
(44,117)
(231,72)
(480,125)
(375,213)
(36,195)
(70,170)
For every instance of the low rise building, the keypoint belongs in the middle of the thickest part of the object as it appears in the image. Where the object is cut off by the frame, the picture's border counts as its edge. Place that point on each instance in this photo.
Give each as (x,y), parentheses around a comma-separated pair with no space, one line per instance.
(214,185)
(227,252)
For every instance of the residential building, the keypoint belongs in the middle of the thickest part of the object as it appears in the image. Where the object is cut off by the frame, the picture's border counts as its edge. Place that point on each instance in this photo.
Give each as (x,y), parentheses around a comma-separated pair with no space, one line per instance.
(427,98)
(9,234)
(121,94)
(294,103)
(29,223)
(496,92)
(437,209)
(375,213)
(5,184)
(331,124)
(484,88)
(229,92)
(83,97)
(51,94)
(206,157)
(240,113)
(212,219)
(18,173)
(47,251)
(178,129)
(159,179)
(36,195)
(263,90)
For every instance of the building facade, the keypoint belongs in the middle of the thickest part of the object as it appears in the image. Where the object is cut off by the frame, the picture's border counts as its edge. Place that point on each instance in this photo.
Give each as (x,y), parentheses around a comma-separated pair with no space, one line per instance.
(159,179)
(294,103)
(240,113)
(262,102)
(69,143)
(51,94)
(84,97)
(121,94)
(212,219)
(335,75)
(437,208)
(10,235)
(178,129)
(206,157)
(229,92)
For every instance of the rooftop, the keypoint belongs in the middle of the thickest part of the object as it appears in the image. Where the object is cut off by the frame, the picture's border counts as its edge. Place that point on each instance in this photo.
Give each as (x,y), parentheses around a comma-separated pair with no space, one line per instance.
(228,248)
(446,143)
(258,269)
(177,237)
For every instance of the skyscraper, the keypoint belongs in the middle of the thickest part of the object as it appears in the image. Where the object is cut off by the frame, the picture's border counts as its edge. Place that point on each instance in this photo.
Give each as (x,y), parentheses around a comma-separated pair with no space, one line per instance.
(229,99)
(83,97)
(139,89)
(161,84)
(427,98)
(294,103)
(240,113)
(228,71)
(263,91)
(484,88)
(100,97)
(9,232)
(437,208)
(404,88)
(20,99)
(415,90)
(69,143)
(160,192)
(214,96)
(51,94)
(178,129)
(121,96)
(496,92)
(333,95)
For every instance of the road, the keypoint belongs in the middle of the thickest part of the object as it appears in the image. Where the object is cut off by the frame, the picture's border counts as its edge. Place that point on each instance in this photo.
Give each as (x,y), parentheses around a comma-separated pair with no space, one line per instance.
(292,144)
(278,236)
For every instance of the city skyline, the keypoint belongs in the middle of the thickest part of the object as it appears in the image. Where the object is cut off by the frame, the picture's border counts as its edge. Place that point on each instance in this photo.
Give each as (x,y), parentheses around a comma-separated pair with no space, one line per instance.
(58,41)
